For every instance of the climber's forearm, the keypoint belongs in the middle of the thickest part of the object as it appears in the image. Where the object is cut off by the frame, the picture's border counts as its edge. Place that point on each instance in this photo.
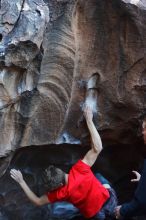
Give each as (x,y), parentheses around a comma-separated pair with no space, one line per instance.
(32,196)
(95,137)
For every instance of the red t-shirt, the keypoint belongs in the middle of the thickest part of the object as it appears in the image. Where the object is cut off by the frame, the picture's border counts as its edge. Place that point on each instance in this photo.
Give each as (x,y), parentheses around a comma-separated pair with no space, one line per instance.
(83,190)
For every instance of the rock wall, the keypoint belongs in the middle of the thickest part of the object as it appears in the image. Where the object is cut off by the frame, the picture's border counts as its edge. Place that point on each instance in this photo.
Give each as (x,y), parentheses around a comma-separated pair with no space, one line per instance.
(56,56)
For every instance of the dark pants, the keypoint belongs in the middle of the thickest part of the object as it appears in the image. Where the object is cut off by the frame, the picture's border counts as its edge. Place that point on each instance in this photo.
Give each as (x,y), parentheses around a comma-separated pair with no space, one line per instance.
(107,211)
(133,208)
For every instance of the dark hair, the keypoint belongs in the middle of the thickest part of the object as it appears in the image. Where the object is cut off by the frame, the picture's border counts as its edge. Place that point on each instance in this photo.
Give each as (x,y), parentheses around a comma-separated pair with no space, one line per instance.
(53,177)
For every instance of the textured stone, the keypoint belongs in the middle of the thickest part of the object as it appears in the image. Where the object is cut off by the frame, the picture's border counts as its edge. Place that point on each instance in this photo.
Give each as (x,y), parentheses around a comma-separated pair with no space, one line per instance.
(56,56)
(42,100)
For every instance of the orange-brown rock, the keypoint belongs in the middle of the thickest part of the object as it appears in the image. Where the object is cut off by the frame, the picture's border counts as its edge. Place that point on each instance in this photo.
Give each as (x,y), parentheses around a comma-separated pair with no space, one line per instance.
(58,55)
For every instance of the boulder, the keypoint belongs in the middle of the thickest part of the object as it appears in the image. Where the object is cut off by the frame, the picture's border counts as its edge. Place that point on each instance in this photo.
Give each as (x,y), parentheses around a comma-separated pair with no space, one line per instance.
(56,56)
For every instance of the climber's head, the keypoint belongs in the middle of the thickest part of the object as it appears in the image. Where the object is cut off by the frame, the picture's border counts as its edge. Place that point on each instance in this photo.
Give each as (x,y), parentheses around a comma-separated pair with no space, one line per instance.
(53,178)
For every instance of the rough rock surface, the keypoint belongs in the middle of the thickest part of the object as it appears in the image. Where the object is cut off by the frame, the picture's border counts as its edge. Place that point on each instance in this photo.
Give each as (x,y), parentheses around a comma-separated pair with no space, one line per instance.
(57,55)
(43,88)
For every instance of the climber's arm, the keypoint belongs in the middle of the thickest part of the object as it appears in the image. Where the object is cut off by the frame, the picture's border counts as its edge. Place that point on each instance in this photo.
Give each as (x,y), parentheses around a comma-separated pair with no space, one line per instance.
(96,144)
(18,177)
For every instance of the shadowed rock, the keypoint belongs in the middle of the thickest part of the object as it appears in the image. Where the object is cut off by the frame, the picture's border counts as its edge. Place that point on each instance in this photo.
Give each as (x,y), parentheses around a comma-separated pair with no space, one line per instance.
(42,93)
(56,56)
